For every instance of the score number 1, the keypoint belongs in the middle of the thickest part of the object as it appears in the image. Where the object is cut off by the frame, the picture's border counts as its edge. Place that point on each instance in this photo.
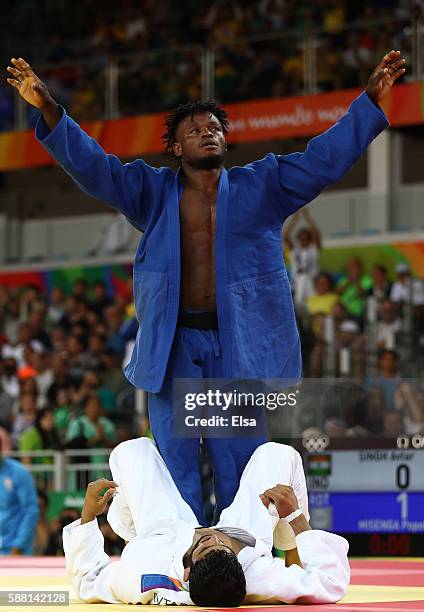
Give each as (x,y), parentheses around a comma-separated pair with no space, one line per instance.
(402,482)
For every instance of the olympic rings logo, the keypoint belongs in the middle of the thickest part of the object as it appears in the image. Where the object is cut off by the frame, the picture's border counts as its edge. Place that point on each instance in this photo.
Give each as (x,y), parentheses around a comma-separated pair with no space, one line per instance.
(316,443)
(416,442)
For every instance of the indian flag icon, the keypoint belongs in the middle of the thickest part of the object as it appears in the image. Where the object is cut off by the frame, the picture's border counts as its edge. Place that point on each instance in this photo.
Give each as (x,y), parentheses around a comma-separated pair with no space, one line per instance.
(319,465)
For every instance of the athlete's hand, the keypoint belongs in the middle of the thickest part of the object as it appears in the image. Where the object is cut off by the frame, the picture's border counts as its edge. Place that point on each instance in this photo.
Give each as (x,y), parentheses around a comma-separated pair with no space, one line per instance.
(283,498)
(95,503)
(385,74)
(30,87)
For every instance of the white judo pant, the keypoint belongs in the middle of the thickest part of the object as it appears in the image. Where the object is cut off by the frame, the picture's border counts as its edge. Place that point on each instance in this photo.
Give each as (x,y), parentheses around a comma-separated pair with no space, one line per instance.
(148,494)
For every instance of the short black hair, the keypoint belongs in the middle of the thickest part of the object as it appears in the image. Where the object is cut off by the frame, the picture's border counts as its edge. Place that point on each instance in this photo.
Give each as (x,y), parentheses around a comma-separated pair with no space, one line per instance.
(191,109)
(217,580)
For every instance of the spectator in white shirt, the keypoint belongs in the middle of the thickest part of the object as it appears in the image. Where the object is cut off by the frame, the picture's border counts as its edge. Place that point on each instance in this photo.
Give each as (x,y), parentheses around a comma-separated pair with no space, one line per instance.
(304,256)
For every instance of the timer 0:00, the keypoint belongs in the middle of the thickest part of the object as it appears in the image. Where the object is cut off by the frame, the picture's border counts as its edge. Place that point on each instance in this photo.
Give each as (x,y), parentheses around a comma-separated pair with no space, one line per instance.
(393,544)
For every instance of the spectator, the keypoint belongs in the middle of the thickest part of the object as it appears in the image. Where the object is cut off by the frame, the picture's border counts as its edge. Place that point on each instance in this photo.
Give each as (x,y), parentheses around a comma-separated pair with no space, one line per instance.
(100,298)
(76,357)
(114,320)
(25,338)
(389,378)
(350,349)
(407,289)
(56,309)
(381,286)
(44,373)
(58,338)
(37,322)
(26,417)
(18,508)
(389,326)
(353,287)
(41,436)
(80,289)
(64,411)
(323,300)
(304,255)
(95,350)
(61,376)
(96,430)
(9,382)
(91,385)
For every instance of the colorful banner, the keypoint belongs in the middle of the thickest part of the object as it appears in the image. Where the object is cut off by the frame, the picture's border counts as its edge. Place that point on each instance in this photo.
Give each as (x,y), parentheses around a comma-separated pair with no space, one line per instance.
(250,121)
(117,277)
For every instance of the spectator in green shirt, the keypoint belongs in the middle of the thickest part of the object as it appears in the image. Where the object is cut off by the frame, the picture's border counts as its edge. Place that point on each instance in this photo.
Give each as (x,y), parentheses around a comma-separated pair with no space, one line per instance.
(95,430)
(353,288)
(41,436)
(64,411)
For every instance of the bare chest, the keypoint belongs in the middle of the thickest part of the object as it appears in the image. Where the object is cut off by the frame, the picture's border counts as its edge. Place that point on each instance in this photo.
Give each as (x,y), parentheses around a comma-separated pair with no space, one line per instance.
(197,212)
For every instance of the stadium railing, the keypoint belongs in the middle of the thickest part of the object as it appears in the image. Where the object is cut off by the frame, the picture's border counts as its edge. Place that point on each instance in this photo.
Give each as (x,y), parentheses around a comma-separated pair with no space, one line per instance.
(65,470)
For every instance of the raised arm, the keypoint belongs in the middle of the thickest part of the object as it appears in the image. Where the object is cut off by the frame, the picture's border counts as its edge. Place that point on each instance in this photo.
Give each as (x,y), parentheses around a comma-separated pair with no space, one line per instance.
(134,189)
(93,577)
(313,228)
(330,155)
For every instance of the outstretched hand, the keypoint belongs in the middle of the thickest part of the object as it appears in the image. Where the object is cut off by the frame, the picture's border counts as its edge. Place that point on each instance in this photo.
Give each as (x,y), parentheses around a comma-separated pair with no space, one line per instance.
(384,76)
(94,503)
(30,87)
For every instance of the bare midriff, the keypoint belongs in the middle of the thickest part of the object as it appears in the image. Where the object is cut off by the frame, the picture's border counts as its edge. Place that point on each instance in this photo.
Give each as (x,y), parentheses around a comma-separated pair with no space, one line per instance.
(198,222)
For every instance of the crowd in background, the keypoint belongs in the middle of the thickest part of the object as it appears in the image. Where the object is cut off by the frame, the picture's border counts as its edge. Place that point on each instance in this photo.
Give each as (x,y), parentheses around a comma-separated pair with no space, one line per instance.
(61,356)
(157,47)
(363,326)
(61,379)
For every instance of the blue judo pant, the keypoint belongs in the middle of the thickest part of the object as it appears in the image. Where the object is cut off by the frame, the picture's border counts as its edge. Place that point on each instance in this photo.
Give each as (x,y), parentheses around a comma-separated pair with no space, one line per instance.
(196,354)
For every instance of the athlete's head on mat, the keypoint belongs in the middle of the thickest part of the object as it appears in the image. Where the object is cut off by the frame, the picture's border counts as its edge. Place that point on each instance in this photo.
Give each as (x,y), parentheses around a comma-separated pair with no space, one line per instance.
(213,571)
(196,135)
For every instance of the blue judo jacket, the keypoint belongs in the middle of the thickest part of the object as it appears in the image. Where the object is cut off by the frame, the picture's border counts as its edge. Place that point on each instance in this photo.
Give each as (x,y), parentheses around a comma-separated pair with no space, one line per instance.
(18,507)
(257,327)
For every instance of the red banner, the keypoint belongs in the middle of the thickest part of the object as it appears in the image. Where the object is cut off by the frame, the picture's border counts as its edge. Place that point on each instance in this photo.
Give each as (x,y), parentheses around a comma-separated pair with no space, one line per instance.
(249,121)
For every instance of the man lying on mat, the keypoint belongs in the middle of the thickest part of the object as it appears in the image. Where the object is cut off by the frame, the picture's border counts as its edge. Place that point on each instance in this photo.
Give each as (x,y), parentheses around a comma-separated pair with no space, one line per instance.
(170,560)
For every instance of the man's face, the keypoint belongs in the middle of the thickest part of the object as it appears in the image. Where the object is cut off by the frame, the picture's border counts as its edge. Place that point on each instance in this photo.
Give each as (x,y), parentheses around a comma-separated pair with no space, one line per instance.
(210,540)
(200,142)
(207,543)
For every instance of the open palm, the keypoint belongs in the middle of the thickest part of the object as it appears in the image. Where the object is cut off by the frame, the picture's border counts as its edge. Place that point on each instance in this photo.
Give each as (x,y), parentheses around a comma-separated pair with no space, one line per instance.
(385,74)
(30,87)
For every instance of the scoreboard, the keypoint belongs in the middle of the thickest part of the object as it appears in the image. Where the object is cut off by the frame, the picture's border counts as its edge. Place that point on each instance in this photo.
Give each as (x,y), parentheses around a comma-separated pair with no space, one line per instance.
(373,497)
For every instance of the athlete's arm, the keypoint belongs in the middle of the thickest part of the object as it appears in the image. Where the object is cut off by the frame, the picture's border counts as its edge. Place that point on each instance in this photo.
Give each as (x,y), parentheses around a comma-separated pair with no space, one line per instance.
(135,189)
(330,155)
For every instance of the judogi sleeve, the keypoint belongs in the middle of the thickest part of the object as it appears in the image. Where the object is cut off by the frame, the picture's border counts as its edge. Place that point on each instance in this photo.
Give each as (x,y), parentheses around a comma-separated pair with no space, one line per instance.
(324,577)
(134,189)
(330,155)
(93,577)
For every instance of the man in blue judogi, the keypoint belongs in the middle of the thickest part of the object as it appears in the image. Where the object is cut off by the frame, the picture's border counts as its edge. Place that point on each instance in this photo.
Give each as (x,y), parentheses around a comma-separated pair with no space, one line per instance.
(211,290)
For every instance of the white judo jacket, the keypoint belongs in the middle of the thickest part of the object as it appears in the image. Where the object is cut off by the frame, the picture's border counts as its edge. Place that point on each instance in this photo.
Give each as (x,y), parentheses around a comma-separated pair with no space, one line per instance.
(160,526)
(150,570)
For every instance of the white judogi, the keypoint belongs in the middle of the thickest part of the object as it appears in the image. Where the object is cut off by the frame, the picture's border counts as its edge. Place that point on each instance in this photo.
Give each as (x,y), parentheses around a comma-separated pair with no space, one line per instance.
(150,512)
